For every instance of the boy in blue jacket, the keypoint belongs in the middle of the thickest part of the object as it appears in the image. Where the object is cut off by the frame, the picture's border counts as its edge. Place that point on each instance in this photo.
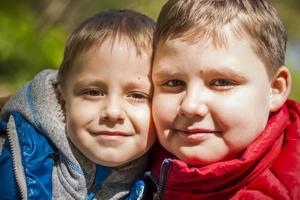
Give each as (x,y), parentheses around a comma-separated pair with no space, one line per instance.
(83,133)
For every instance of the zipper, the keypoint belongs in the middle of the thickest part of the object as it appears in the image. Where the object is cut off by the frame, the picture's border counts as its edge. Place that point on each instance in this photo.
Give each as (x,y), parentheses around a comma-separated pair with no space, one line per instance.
(163,179)
(152,178)
(14,144)
(101,175)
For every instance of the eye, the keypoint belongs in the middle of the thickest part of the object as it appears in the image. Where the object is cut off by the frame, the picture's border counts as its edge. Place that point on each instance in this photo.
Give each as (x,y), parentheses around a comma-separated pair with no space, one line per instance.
(138,96)
(93,93)
(174,83)
(222,84)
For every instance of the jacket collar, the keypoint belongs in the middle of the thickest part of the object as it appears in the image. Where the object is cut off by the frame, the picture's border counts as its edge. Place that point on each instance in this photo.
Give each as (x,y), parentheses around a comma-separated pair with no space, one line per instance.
(225,178)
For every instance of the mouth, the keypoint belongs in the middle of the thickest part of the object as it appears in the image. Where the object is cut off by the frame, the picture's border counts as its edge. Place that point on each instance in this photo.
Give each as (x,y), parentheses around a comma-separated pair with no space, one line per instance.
(196,134)
(197,131)
(112,133)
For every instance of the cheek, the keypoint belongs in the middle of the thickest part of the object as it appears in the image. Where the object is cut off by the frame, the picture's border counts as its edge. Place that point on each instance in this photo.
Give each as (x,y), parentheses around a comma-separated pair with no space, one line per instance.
(165,109)
(79,114)
(142,122)
(140,118)
(243,118)
(73,122)
(244,107)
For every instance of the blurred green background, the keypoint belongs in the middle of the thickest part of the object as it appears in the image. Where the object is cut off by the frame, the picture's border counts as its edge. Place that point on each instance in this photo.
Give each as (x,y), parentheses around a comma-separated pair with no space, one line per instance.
(33,33)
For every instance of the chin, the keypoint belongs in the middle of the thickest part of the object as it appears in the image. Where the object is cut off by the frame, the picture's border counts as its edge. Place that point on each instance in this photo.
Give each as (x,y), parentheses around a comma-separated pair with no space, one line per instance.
(116,161)
(111,163)
(198,162)
(108,160)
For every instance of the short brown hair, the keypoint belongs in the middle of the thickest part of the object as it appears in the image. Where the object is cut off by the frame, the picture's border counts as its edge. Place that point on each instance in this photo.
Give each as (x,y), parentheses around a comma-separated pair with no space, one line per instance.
(257,20)
(112,24)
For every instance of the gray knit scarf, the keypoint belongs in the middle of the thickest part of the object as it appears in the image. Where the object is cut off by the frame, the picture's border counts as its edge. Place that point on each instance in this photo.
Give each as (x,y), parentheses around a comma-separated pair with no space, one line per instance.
(73,173)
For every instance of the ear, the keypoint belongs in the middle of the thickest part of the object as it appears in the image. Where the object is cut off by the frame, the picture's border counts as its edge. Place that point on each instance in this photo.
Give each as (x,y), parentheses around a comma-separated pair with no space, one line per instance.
(280,88)
(61,95)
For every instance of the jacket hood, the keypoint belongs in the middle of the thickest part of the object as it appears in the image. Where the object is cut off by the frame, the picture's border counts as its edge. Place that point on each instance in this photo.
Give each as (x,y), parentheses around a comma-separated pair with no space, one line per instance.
(38,102)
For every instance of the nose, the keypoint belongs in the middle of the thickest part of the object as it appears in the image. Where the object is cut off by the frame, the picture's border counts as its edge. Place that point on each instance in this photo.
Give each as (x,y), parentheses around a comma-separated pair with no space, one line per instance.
(194,103)
(113,110)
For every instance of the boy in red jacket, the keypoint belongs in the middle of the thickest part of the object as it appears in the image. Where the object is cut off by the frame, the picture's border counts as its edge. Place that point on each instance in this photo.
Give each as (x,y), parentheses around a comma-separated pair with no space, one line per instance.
(220,103)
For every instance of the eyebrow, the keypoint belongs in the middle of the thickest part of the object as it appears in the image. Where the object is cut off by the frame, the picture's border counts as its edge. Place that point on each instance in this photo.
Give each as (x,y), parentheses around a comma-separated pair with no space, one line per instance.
(163,73)
(216,71)
(166,71)
(130,84)
(88,82)
(137,85)
(221,71)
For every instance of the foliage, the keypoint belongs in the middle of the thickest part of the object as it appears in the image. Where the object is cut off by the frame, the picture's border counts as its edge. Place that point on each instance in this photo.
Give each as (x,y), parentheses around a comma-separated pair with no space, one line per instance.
(24,50)
(295,93)
(33,32)
(32,35)
(289,12)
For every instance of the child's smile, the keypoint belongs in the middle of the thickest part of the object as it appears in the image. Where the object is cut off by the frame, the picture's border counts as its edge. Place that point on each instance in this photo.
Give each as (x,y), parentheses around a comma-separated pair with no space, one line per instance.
(209,102)
(108,104)
(194,135)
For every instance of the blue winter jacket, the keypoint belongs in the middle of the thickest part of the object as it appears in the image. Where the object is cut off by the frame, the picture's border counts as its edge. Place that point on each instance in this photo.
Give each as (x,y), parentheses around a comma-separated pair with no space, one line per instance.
(27,158)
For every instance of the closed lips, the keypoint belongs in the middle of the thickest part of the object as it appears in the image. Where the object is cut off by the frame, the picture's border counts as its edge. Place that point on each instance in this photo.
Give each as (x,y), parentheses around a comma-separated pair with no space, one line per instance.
(112,133)
(197,131)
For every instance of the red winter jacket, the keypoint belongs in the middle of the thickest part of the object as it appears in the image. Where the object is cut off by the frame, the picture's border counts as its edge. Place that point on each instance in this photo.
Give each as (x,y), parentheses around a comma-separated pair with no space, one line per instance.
(268,169)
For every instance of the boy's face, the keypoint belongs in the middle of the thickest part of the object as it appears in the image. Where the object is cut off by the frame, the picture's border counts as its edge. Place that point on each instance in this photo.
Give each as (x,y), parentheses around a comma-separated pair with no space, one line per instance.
(209,103)
(107,102)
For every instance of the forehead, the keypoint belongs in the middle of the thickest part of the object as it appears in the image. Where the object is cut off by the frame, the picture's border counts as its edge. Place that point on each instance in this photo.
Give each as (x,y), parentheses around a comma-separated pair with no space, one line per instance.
(113,51)
(178,54)
(190,50)
(117,61)
(219,37)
